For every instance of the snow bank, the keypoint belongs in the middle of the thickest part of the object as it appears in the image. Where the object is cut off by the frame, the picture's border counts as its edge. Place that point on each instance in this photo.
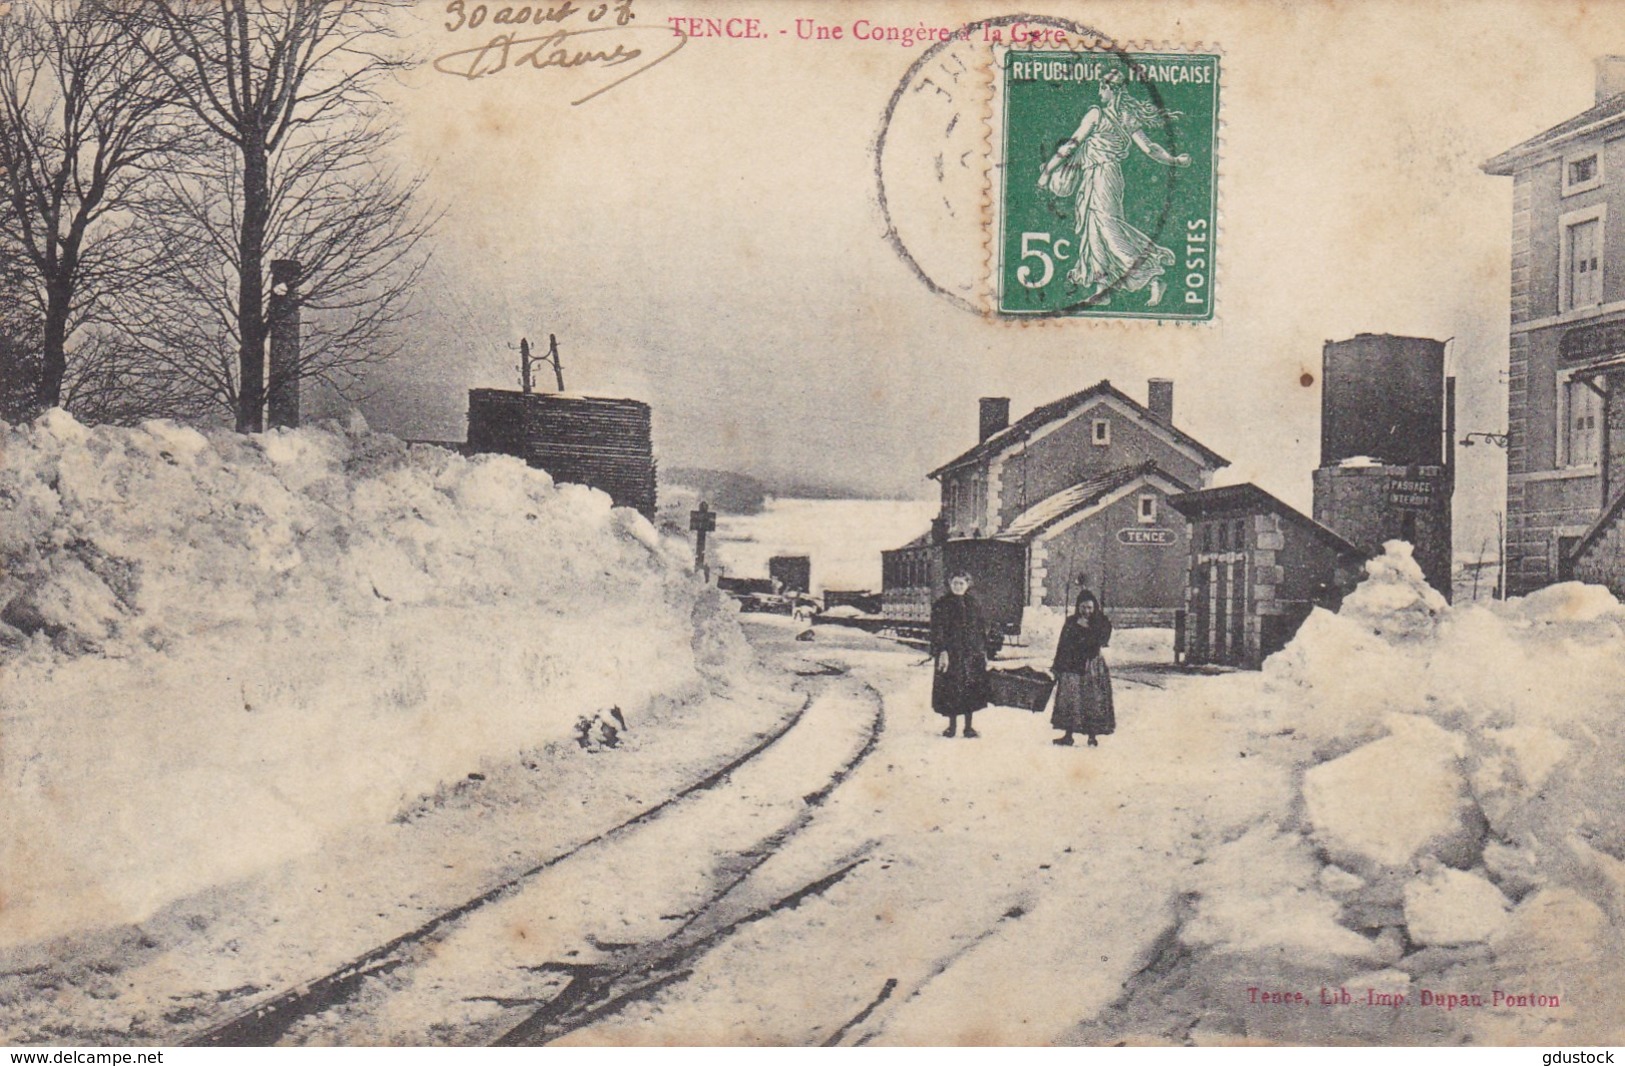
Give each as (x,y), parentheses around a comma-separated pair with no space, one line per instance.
(218,651)
(1461,779)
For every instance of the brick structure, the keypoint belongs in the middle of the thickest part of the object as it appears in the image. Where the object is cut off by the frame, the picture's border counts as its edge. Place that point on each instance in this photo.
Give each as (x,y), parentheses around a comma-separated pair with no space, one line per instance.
(1082,484)
(1257,567)
(1368,505)
(604,443)
(1385,456)
(1566,382)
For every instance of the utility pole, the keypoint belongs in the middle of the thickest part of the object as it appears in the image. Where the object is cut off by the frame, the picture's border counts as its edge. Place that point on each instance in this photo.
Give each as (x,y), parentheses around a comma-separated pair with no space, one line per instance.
(527,377)
(553,357)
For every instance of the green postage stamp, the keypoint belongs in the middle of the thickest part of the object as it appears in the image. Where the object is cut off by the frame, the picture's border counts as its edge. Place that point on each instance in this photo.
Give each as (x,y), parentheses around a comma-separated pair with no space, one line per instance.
(1107,195)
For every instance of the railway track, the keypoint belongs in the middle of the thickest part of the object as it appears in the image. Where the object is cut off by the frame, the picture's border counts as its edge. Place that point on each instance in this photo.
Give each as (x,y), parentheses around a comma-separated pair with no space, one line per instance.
(321,1009)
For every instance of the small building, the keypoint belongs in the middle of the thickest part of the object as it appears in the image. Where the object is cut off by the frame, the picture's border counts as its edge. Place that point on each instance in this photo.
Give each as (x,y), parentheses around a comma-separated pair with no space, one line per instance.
(1566,396)
(790,573)
(1385,449)
(1257,567)
(584,440)
(915,575)
(745,586)
(859,599)
(1081,486)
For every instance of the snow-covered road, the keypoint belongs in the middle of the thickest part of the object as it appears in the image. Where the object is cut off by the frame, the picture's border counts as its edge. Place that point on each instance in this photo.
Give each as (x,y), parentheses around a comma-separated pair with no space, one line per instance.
(852,877)
(1009,888)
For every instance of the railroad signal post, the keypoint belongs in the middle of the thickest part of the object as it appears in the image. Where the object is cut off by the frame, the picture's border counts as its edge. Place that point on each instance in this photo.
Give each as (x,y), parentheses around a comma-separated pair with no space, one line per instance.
(701,521)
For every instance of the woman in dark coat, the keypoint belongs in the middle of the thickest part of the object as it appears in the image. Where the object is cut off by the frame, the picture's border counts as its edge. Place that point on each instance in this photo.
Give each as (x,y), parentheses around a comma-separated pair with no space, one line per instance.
(1083,685)
(959,648)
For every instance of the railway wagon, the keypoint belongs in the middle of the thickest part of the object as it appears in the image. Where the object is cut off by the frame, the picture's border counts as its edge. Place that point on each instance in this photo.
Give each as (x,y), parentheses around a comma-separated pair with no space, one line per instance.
(915,575)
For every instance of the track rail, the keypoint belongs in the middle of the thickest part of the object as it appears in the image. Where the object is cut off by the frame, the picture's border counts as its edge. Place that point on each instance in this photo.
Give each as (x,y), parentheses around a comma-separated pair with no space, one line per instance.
(264,1023)
(639,972)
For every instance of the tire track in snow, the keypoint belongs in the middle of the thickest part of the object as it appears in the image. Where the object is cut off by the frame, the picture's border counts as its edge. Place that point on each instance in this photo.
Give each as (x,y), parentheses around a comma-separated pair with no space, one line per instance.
(264,1023)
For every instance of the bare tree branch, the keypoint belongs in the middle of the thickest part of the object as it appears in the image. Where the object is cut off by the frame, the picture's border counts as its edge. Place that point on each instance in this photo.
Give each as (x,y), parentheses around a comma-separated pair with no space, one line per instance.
(85,120)
(289,92)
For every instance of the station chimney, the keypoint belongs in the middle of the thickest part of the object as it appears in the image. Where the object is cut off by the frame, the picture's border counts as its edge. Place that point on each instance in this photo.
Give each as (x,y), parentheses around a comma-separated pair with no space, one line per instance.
(1159,397)
(995,416)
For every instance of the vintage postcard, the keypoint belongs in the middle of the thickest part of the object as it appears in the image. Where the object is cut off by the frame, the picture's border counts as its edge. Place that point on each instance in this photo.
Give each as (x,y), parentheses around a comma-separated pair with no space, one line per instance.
(728,522)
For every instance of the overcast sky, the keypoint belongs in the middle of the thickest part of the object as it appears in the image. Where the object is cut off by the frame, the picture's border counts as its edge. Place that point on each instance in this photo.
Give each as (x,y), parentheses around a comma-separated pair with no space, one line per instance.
(707,236)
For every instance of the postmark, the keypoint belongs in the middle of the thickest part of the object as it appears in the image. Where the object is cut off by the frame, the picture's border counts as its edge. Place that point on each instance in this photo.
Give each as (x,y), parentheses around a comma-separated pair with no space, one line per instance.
(1105,197)
(969,131)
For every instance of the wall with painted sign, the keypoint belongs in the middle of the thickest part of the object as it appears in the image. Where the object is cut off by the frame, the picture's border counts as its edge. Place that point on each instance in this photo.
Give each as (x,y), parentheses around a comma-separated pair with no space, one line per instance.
(1137,568)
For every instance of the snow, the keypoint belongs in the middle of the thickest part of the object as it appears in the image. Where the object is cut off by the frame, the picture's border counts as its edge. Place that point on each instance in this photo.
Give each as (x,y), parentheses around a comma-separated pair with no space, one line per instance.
(268,641)
(1452,907)
(1388,801)
(844,538)
(1449,761)
(332,686)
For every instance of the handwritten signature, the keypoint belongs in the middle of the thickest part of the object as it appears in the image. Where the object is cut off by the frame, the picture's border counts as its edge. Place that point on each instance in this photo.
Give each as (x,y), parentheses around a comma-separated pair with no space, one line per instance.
(560,49)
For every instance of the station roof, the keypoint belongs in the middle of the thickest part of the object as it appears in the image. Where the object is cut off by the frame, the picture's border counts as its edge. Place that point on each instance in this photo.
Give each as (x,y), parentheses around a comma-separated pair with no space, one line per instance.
(1054,411)
(1604,114)
(1250,499)
(1069,501)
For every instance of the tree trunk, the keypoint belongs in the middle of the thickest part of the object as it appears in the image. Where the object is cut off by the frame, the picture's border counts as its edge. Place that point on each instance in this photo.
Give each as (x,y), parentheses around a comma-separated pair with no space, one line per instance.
(53,355)
(251,289)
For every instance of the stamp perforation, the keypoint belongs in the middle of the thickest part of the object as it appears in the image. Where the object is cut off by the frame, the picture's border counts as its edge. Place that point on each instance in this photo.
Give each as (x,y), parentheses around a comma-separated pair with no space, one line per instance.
(996,168)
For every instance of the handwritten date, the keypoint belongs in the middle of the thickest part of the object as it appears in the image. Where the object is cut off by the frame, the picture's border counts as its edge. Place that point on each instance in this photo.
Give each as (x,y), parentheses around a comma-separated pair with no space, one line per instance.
(463,15)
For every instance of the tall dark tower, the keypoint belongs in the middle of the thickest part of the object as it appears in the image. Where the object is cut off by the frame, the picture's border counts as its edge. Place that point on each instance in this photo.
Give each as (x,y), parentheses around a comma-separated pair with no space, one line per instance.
(283,314)
(1385,451)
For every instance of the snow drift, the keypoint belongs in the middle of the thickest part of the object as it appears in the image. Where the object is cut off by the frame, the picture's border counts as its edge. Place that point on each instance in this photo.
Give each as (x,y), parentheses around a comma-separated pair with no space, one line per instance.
(1457,808)
(218,651)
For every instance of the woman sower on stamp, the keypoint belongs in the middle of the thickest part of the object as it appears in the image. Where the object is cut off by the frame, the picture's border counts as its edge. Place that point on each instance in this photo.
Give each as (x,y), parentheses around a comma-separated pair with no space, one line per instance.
(1083,685)
(959,648)
(1112,254)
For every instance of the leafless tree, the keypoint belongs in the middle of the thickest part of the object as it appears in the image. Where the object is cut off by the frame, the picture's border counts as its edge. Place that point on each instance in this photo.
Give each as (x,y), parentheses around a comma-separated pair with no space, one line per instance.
(85,121)
(20,332)
(289,91)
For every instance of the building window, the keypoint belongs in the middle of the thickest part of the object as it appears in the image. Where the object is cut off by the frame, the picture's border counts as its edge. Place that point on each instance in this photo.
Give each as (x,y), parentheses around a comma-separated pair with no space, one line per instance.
(1582,172)
(1148,509)
(1581,281)
(1581,410)
(1101,431)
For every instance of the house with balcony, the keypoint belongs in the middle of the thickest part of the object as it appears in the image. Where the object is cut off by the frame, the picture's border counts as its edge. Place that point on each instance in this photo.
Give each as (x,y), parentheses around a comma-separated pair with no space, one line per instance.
(1565,405)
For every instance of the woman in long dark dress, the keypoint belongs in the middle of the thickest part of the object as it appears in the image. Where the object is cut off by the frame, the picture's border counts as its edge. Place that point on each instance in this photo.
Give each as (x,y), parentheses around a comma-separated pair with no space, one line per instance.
(959,648)
(1083,685)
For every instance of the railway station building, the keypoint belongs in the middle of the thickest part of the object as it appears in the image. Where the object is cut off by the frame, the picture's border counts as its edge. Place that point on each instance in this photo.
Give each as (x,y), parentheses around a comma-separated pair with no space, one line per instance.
(1078,489)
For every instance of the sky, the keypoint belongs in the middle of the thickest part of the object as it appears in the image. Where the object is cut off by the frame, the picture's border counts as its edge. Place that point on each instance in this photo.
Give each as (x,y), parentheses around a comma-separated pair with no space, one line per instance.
(708,237)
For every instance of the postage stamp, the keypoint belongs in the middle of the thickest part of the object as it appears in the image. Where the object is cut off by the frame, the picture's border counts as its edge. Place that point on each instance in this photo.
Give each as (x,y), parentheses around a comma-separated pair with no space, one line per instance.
(1106,198)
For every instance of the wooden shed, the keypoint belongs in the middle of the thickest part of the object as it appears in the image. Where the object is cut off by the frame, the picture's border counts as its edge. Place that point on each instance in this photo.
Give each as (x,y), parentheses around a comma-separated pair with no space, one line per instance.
(1257,568)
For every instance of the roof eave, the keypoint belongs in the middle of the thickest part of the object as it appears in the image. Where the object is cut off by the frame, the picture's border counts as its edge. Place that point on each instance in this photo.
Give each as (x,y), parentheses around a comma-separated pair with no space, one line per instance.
(1508,162)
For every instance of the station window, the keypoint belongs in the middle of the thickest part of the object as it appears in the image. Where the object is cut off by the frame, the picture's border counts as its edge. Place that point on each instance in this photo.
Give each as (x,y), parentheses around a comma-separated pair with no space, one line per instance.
(1582,411)
(1148,509)
(1582,172)
(1582,259)
(1583,272)
(1101,431)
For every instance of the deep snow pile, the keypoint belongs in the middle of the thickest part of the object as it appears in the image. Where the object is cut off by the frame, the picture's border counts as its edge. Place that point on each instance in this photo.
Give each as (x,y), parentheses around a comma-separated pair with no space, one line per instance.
(1459,809)
(220,651)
